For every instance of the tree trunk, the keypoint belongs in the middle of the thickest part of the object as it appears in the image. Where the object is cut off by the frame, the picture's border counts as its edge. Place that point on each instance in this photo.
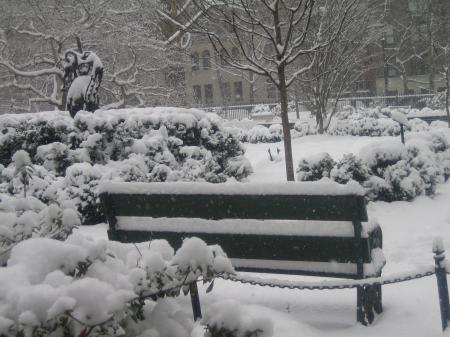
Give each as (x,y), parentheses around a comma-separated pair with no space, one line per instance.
(405,84)
(319,120)
(252,88)
(285,123)
(447,94)
(79,45)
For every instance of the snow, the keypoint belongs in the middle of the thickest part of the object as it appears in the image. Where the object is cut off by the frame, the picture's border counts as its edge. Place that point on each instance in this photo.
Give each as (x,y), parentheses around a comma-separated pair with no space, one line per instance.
(78,87)
(243,226)
(283,188)
(400,117)
(20,159)
(41,256)
(411,309)
(231,315)
(370,269)
(35,285)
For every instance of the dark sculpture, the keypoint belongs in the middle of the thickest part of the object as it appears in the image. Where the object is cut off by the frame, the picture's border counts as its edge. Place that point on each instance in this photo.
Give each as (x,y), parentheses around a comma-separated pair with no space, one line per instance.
(83,74)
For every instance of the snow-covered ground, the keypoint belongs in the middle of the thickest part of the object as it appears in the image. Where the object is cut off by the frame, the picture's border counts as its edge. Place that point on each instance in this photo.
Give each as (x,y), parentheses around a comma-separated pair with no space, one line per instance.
(411,309)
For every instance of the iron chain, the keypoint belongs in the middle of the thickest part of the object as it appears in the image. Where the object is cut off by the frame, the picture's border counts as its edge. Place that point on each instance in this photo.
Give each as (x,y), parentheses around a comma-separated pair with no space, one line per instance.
(317,286)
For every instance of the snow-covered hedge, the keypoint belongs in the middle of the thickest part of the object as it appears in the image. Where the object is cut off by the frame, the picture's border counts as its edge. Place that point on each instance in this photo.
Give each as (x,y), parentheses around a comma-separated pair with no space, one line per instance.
(388,170)
(82,287)
(364,122)
(70,156)
(252,133)
(24,218)
(229,318)
(315,167)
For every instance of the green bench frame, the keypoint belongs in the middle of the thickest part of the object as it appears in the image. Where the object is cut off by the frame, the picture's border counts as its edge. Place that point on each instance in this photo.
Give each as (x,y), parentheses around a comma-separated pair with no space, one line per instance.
(188,200)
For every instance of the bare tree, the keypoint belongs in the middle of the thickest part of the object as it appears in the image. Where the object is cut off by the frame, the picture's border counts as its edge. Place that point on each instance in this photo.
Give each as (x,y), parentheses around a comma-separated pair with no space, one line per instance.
(127,36)
(406,42)
(340,63)
(442,52)
(271,36)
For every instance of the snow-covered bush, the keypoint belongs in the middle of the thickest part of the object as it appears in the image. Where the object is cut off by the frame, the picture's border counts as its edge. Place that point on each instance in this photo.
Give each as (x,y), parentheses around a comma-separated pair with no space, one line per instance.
(261,134)
(239,167)
(262,111)
(84,287)
(24,218)
(389,170)
(303,128)
(54,157)
(315,167)
(418,125)
(154,144)
(229,318)
(364,122)
(436,102)
(350,168)
(23,168)
(80,187)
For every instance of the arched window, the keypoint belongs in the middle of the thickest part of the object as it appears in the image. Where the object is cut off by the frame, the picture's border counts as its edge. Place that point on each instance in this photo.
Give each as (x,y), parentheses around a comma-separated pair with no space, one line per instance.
(195,61)
(206,59)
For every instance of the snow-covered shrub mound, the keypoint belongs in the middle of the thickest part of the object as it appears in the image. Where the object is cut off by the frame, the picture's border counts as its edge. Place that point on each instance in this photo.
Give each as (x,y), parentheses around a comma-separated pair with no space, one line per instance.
(436,102)
(364,122)
(350,168)
(229,318)
(83,287)
(303,128)
(262,111)
(24,218)
(261,134)
(151,144)
(315,167)
(389,170)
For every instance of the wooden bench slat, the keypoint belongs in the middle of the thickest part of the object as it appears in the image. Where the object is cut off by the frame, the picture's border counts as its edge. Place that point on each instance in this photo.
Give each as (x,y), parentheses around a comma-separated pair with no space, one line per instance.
(216,207)
(270,247)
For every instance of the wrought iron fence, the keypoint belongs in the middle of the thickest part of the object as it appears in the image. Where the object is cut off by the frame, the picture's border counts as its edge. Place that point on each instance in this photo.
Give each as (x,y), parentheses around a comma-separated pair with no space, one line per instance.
(240,112)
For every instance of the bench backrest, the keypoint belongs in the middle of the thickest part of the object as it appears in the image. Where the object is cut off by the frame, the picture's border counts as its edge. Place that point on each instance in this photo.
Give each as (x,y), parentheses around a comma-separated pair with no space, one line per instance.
(328,240)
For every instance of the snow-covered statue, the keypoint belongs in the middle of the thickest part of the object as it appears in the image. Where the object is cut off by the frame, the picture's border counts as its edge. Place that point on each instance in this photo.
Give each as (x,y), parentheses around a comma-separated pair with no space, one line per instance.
(83,74)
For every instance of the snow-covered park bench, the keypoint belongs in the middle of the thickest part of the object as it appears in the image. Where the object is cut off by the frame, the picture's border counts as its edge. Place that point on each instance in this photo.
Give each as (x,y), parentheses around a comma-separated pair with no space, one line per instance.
(315,229)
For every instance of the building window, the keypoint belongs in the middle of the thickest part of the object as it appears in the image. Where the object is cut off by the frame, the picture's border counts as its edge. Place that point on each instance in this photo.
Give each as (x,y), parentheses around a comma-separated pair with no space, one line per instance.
(271,90)
(195,61)
(206,59)
(389,34)
(416,6)
(416,66)
(197,94)
(226,92)
(209,94)
(238,96)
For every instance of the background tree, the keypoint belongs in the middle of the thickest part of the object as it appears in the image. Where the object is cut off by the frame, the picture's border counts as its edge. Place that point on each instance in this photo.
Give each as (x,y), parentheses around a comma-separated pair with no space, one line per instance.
(404,43)
(127,36)
(337,66)
(271,37)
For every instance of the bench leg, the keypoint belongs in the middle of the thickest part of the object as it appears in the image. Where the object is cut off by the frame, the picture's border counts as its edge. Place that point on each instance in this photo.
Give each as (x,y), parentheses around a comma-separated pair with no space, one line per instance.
(369,302)
(378,307)
(359,305)
(195,301)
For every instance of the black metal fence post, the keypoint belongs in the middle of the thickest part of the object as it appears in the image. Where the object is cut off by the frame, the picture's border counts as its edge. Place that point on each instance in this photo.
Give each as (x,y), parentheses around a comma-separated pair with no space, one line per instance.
(441,276)
(402,133)
(195,301)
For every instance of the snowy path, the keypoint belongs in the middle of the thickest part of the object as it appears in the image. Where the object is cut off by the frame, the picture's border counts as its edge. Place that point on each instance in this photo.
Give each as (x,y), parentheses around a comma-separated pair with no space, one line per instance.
(410,309)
